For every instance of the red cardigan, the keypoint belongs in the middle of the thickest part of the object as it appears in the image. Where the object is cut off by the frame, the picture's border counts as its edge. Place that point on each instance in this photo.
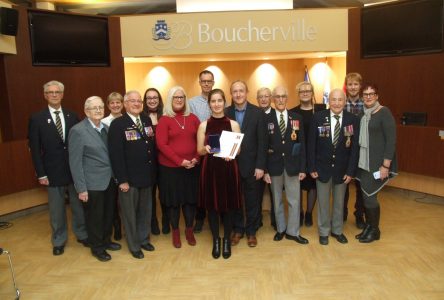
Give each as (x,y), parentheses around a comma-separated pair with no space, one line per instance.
(174,143)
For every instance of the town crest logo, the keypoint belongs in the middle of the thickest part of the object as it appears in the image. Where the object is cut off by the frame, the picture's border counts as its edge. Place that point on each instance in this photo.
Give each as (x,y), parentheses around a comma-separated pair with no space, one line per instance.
(161,31)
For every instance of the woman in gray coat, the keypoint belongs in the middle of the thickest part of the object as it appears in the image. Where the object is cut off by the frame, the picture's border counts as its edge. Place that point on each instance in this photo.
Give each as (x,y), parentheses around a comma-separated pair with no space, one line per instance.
(377,159)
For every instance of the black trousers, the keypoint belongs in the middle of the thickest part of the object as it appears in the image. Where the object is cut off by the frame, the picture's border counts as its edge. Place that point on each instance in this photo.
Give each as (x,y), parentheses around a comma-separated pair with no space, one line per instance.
(99,212)
(359,204)
(249,222)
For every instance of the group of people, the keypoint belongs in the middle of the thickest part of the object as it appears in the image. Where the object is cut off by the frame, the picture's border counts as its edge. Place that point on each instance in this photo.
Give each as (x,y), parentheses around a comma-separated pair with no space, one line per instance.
(113,166)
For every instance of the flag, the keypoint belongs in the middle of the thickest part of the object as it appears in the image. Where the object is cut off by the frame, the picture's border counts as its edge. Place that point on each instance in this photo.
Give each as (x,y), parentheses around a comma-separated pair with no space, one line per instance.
(326,91)
(306,75)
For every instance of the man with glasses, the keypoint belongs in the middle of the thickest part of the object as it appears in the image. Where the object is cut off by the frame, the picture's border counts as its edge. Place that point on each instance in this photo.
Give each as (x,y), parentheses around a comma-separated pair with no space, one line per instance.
(333,152)
(263,97)
(199,106)
(355,105)
(48,142)
(93,180)
(133,160)
(285,164)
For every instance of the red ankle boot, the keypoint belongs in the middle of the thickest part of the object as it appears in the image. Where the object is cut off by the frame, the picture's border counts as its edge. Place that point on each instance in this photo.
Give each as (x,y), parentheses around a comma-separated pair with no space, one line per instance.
(176,238)
(190,236)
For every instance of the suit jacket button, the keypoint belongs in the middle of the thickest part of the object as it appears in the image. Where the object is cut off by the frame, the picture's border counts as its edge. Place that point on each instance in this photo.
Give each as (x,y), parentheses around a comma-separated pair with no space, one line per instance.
(333,165)
(149,161)
(334,156)
(283,142)
(283,154)
(146,142)
(64,147)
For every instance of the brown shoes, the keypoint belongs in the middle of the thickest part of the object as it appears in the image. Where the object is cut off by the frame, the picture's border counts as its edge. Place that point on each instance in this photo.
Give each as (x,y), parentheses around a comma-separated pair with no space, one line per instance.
(235,238)
(252,241)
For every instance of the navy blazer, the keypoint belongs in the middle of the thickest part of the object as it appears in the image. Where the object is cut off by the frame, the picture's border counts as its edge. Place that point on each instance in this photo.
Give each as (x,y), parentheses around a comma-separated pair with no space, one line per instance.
(253,149)
(132,153)
(48,150)
(325,159)
(285,152)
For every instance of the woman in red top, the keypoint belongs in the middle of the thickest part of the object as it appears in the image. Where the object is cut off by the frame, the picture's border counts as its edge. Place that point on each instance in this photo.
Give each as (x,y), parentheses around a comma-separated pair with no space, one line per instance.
(178,158)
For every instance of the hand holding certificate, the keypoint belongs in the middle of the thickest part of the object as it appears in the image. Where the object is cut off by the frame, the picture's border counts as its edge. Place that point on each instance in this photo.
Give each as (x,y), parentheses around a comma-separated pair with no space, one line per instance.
(229,144)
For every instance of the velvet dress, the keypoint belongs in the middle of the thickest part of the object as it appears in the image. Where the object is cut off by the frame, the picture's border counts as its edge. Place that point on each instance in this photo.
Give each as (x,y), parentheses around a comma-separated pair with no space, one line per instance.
(219,184)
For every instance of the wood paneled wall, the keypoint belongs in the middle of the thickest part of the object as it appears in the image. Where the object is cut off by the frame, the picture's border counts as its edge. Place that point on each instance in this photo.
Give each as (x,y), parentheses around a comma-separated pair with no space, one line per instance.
(288,72)
(406,83)
(21,83)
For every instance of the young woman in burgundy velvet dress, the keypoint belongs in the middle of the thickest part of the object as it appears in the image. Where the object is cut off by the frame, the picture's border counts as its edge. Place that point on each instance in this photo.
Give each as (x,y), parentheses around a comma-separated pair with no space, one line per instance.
(219,184)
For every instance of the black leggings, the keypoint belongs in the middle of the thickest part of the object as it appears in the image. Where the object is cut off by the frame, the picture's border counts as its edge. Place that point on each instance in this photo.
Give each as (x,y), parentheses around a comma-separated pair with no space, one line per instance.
(213,220)
(189,211)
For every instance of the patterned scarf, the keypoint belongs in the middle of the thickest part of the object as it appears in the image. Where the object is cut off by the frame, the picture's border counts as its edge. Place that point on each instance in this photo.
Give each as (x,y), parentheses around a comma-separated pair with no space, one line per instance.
(364,160)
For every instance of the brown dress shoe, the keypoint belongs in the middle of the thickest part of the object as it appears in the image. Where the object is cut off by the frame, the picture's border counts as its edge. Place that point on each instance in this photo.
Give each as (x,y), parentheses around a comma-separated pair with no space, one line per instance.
(252,241)
(235,238)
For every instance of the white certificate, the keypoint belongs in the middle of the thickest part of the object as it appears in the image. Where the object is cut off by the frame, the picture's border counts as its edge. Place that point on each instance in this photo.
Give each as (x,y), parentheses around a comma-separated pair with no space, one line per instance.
(229,144)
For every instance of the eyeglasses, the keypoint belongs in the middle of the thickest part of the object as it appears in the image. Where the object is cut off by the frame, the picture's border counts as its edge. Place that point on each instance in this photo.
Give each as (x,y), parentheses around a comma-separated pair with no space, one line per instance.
(264,97)
(134,101)
(280,96)
(53,92)
(305,91)
(178,97)
(368,94)
(206,81)
(152,98)
(96,108)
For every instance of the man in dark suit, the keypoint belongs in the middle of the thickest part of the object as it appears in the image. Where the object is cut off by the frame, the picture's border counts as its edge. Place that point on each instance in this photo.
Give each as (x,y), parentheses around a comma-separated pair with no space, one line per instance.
(93,178)
(48,143)
(252,160)
(132,153)
(332,160)
(285,164)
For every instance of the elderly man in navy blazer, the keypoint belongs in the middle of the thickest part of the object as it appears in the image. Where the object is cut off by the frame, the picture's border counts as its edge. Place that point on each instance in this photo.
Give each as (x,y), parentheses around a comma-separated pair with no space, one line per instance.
(252,160)
(285,164)
(132,153)
(93,178)
(332,160)
(48,143)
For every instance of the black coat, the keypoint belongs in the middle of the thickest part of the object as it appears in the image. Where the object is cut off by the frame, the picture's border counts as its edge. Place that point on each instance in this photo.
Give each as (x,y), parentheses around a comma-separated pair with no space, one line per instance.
(132,153)
(325,159)
(253,149)
(285,152)
(48,150)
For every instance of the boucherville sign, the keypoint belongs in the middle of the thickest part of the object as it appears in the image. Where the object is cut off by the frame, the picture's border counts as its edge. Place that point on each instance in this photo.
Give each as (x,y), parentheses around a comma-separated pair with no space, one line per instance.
(235,32)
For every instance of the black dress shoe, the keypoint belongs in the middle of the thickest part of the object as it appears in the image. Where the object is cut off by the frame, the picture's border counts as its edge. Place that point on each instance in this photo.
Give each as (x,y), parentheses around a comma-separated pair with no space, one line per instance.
(323,240)
(84,242)
(102,256)
(216,248)
(340,238)
(59,250)
(113,246)
(299,239)
(198,226)
(137,254)
(147,247)
(360,224)
(226,248)
(278,236)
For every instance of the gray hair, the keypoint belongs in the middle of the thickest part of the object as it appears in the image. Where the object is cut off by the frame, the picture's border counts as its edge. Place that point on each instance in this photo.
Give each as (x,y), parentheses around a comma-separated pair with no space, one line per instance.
(340,91)
(125,98)
(91,99)
(280,87)
(168,108)
(262,89)
(54,82)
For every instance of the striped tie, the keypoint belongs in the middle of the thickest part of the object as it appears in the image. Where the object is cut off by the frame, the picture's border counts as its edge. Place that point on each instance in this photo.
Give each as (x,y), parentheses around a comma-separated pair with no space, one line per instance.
(337,130)
(282,125)
(59,124)
(139,125)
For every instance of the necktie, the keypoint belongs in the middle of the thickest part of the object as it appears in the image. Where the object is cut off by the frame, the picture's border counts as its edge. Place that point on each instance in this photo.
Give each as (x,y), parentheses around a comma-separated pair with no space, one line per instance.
(282,125)
(139,125)
(104,136)
(59,124)
(337,130)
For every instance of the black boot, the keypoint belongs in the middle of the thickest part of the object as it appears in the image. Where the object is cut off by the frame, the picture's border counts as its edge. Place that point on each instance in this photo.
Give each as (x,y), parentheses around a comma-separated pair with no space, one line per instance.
(301,219)
(226,250)
(155,226)
(216,247)
(373,233)
(360,223)
(366,226)
(165,221)
(308,219)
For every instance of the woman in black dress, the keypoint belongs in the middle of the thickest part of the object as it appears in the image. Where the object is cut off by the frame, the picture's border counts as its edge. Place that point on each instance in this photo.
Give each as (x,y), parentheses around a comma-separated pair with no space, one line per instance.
(219,184)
